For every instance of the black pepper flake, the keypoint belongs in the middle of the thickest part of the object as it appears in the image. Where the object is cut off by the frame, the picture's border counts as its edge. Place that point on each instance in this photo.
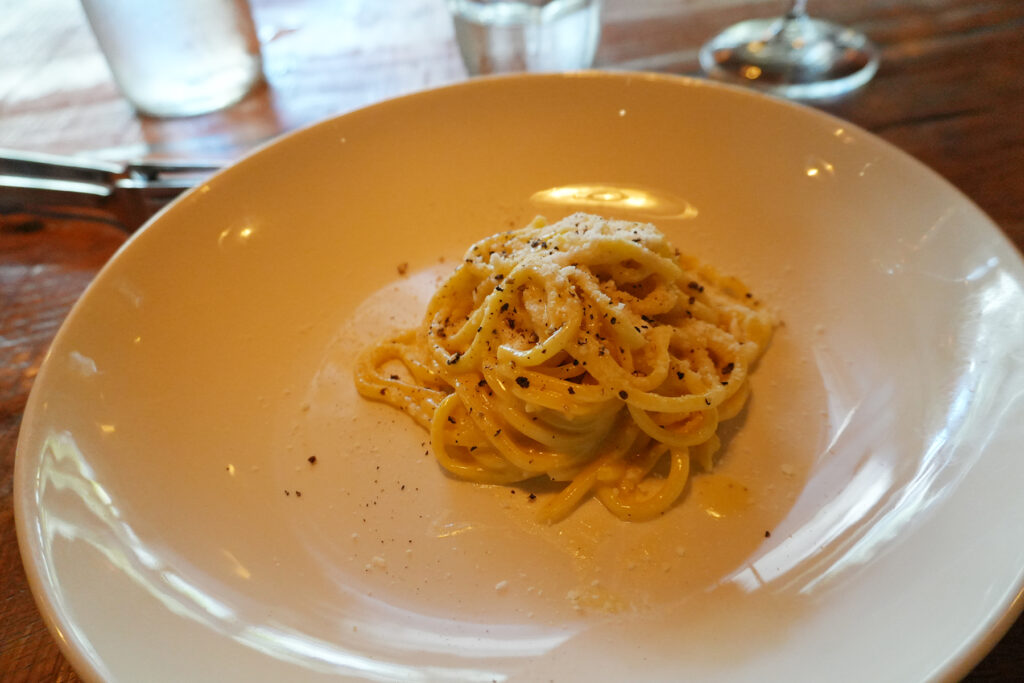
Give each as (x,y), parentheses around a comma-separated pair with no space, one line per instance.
(497,432)
(394,377)
(523,382)
(707,401)
(680,375)
(623,395)
(482,383)
(311,459)
(767,534)
(613,320)
(298,494)
(727,368)
(451,419)
(571,390)
(383,391)
(533,496)
(694,285)
(287,492)
(499,277)
(504,307)
(692,300)
(454,359)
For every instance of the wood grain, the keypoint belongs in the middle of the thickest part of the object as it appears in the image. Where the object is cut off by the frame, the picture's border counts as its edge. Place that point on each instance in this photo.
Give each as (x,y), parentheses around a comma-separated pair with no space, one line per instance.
(949,92)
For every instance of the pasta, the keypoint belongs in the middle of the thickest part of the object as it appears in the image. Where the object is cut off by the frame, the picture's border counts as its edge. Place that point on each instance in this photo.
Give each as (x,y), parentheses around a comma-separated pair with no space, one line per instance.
(588,351)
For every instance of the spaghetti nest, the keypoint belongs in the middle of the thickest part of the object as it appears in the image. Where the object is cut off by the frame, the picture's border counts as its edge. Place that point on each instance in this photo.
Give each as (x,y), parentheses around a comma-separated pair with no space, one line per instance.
(589,351)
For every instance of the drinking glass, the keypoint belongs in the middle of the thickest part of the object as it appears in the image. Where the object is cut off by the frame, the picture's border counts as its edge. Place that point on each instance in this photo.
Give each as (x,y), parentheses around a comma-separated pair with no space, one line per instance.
(498,36)
(793,56)
(178,57)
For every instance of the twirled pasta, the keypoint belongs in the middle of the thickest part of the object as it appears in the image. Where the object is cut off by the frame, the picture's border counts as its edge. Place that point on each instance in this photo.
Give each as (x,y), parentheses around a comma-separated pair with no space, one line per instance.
(589,351)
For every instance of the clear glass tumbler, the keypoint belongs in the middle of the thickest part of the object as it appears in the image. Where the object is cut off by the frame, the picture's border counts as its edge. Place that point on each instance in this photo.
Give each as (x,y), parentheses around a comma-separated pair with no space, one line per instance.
(498,36)
(178,57)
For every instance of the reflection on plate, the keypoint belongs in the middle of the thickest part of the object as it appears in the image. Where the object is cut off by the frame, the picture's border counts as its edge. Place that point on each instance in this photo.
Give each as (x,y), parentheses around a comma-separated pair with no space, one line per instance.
(642,203)
(195,464)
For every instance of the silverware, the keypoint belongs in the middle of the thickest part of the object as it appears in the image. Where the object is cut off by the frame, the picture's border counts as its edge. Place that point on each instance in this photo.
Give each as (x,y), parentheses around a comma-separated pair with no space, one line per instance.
(129,193)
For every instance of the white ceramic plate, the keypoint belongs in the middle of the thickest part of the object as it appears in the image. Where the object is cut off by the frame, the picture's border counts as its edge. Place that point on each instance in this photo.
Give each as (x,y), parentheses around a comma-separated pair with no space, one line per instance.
(864,522)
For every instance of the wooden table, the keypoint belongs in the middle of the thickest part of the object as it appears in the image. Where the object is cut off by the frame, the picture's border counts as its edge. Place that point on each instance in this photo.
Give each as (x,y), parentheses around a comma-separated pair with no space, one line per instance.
(950,92)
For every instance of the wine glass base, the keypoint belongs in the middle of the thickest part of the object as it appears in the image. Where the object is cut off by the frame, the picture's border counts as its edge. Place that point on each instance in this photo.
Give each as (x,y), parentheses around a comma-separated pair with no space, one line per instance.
(795,57)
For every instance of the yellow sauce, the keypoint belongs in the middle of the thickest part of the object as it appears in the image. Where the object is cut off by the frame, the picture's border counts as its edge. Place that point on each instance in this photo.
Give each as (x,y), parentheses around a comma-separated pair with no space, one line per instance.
(721,496)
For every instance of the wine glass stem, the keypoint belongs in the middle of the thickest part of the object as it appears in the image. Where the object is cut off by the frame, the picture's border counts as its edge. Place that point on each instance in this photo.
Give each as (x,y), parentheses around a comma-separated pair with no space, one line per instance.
(797,10)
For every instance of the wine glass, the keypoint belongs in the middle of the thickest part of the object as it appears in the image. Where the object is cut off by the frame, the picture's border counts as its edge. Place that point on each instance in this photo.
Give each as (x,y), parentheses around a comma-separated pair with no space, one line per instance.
(793,56)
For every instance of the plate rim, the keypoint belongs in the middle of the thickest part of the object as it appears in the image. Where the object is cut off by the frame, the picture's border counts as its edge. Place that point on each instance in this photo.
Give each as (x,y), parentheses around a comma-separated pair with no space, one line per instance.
(59,624)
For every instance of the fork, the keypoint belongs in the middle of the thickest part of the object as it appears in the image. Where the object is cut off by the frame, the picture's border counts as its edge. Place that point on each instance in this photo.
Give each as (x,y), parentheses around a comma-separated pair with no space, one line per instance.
(129,193)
